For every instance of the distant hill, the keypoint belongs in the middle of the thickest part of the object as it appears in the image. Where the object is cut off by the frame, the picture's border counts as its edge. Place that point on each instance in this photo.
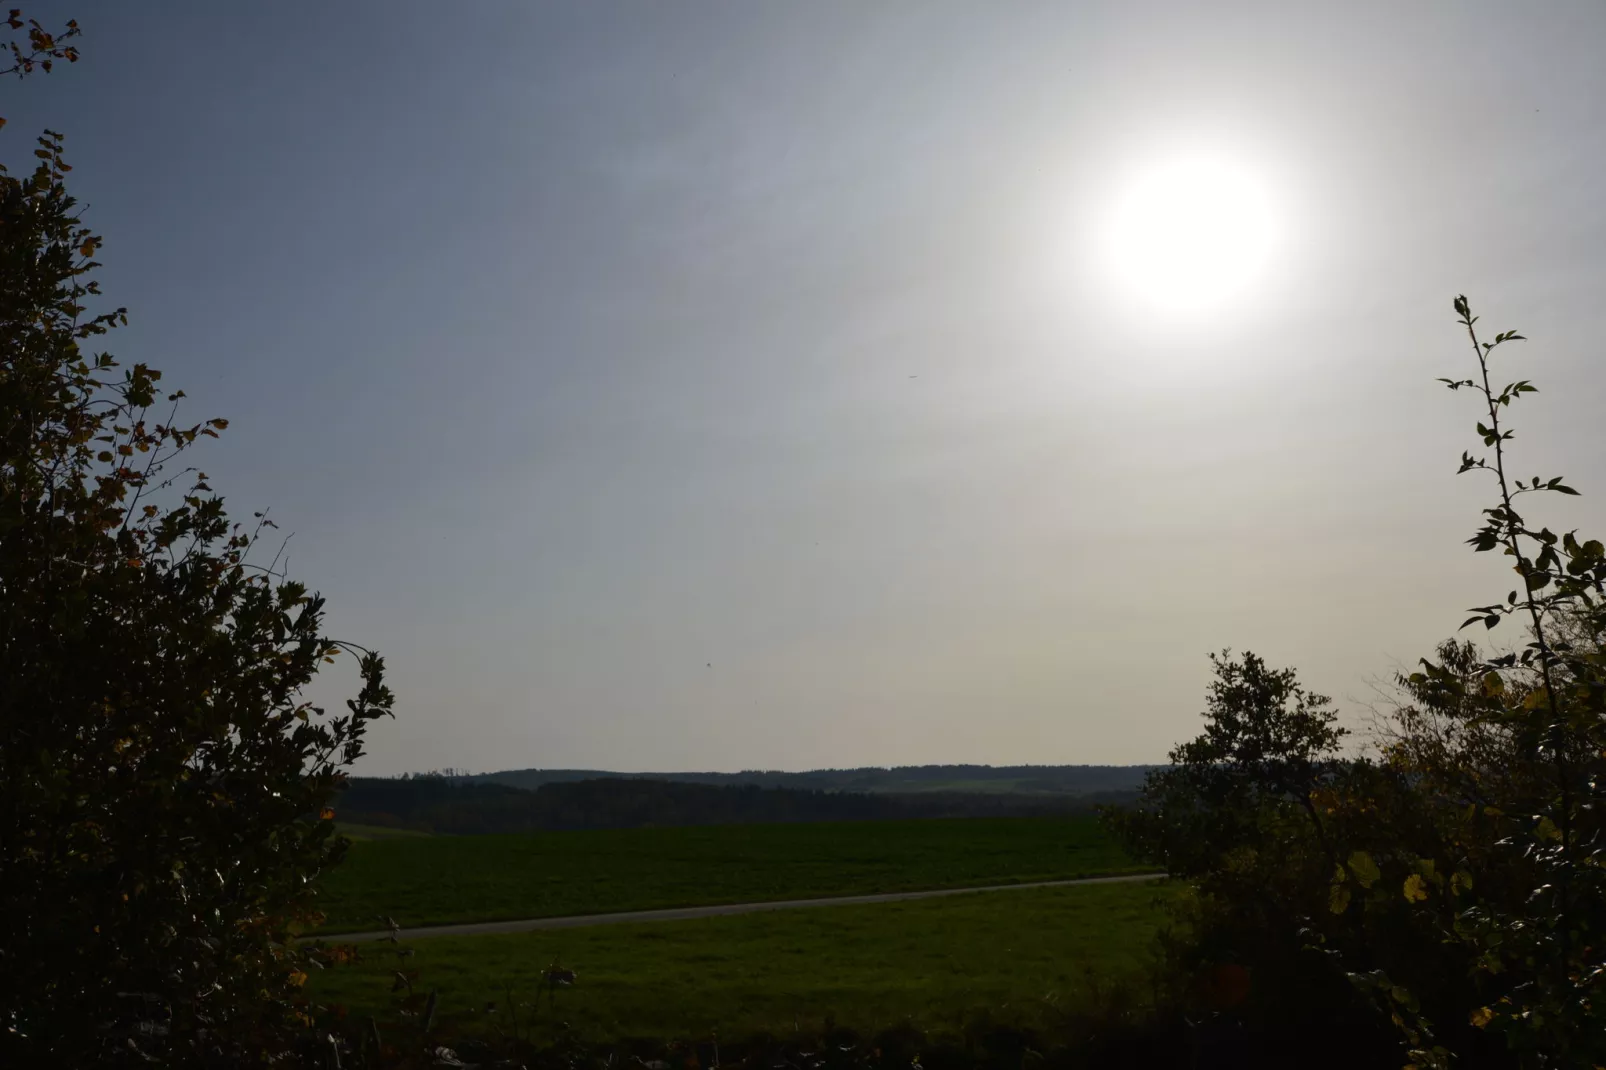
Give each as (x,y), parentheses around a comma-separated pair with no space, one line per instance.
(465,806)
(1046,780)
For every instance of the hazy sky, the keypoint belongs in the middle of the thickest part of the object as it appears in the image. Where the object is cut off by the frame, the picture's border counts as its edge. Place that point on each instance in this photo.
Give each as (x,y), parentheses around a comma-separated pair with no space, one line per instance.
(726,385)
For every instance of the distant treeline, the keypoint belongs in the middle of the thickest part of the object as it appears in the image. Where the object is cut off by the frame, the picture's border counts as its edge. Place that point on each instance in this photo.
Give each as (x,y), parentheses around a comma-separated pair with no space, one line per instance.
(448,805)
(963,779)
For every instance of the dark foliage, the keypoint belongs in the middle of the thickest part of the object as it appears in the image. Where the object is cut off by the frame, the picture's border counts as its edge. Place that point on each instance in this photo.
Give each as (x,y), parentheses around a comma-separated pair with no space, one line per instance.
(163,783)
(1440,899)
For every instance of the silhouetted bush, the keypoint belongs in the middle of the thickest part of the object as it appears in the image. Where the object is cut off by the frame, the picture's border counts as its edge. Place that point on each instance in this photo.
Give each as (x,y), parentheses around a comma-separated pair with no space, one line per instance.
(1442,896)
(163,783)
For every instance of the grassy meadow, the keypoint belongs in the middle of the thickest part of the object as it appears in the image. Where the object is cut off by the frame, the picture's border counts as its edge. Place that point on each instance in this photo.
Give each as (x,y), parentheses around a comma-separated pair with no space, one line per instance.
(364,833)
(1022,957)
(424,880)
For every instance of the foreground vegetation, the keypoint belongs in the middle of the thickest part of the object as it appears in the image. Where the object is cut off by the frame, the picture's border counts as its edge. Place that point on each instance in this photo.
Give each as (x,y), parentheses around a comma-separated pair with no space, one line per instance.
(1025,958)
(443,879)
(1439,899)
(164,780)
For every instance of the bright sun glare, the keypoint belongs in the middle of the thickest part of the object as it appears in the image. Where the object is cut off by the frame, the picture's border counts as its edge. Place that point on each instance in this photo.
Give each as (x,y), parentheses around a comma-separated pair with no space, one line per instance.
(1192,233)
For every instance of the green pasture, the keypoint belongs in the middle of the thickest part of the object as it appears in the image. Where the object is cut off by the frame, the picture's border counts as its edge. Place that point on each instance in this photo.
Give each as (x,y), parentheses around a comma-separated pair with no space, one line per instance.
(443,879)
(1022,957)
(364,833)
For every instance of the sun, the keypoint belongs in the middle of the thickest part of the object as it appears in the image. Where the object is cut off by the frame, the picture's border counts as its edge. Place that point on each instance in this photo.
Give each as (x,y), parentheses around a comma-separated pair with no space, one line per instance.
(1192,233)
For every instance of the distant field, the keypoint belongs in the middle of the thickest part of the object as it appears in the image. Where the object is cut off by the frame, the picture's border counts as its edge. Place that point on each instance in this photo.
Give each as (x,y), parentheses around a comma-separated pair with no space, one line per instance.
(362,833)
(1020,786)
(1022,956)
(442,879)
(1072,780)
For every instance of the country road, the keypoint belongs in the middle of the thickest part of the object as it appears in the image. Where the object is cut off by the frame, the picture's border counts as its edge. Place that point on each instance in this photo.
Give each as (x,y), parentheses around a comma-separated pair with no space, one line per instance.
(576,921)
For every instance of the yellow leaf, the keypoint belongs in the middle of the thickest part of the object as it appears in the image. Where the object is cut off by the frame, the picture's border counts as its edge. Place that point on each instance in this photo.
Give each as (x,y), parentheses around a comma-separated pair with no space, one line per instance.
(1365,870)
(1460,881)
(1416,889)
(1482,1017)
(1338,900)
(1547,829)
(298,979)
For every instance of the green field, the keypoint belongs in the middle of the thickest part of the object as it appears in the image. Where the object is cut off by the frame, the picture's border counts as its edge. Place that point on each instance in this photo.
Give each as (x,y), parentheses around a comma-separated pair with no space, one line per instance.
(363,833)
(442,879)
(1020,956)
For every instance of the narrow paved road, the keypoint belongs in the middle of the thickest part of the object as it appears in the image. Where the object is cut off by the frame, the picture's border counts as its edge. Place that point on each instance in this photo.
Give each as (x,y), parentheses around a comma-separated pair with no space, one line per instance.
(684,913)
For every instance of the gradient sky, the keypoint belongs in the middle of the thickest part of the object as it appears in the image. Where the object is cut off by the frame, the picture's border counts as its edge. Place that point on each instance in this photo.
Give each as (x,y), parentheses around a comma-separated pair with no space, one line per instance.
(574,343)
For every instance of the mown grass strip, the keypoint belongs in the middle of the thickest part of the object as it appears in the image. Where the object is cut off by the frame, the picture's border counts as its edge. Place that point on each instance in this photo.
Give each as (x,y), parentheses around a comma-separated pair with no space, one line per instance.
(1022,956)
(450,879)
(580,921)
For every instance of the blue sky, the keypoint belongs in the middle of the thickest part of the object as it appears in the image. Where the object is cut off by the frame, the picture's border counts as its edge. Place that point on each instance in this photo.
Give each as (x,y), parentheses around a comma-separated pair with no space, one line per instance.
(718,385)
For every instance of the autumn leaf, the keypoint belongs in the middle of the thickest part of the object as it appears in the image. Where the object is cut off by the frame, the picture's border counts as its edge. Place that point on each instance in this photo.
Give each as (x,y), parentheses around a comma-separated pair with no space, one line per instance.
(1482,1017)
(1416,889)
(1364,868)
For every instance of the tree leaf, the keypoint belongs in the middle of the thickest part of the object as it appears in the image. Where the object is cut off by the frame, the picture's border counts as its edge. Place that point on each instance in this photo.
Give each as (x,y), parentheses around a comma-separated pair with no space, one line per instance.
(1364,868)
